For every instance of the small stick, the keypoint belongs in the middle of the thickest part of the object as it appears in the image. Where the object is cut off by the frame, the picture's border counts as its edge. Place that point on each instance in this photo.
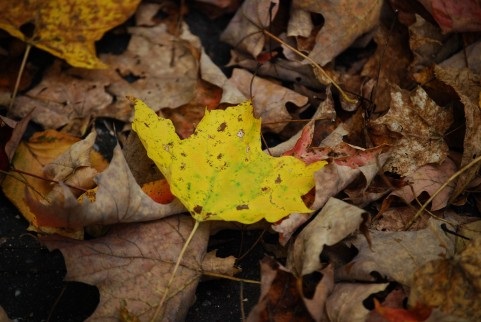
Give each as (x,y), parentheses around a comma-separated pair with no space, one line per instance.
(19,76)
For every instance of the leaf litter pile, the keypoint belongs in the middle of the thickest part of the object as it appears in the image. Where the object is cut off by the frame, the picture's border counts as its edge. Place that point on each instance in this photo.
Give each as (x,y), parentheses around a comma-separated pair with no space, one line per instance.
(347,134)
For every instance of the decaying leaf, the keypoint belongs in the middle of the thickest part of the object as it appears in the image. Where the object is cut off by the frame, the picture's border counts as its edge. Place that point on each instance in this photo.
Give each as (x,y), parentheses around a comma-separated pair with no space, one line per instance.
(269,99)
(244,31)
(346,302)
(417,314)
(452,285)
(118,199)
(395,256)
(343,23)
(32,156)
(132,264)
(415,125)
(65,29)
(336,221)
(468,87)
(220,172)
(428,179)
(455,16)
(284,298)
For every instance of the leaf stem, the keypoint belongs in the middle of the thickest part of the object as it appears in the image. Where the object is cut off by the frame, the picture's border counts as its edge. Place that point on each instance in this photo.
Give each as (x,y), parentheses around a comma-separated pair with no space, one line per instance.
(176,267)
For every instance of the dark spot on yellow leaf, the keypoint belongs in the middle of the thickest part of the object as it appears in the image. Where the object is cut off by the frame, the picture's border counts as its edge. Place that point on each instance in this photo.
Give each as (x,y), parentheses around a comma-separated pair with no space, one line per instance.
(146,125)
(183,154)
(222,127)
(242,207)
(278,179)
(198,209)
(264,188)
(220,156)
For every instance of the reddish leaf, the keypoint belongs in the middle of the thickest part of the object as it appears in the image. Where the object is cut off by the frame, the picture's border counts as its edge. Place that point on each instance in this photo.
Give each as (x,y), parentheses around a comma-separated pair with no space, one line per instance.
(417,314)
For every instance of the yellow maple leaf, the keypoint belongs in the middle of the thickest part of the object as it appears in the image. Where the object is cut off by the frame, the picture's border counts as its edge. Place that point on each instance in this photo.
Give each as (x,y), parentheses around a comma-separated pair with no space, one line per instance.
(65,28)
(221,172)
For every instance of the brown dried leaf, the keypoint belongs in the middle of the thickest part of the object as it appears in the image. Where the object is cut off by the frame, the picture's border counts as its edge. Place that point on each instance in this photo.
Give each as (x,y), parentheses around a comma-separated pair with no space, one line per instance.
(415,125)
(282,298)
(452,285)
(61,97)
(396,255)
(346,301)
(468,86)
(244,30)
(428,179)
(269,99)
(118,199)
(132,263)
(336,220)
(343,23)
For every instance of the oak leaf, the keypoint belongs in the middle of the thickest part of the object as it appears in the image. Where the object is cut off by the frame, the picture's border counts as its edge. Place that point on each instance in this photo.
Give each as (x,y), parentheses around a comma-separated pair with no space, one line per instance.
(220,172)
(65,29)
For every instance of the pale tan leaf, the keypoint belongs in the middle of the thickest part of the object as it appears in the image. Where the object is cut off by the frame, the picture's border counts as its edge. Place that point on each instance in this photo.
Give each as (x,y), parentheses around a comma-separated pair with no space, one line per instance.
(132,263)
(396,255)
(346,301)
(415,125)
(468,86)
(244,30)
(219,265)
(336,221)
(268,98)
(343,23)
(428,179)
(118,199)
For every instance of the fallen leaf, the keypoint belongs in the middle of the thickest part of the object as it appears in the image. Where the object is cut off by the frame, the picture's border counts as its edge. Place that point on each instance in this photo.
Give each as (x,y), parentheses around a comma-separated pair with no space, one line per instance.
(453,284)
(428,179)
(282,295)
(428,45)
(343,23)
(470,56)
(269,99)
(336,221)
(61,96)
(220,172)
(132,264)
(346,302)
(244,30)
(159,191)
(417,314)
(415,126)
(454,16)
(11,133)
(41,149)
(118,199)
(468,87)
(66,30)
(395,256)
